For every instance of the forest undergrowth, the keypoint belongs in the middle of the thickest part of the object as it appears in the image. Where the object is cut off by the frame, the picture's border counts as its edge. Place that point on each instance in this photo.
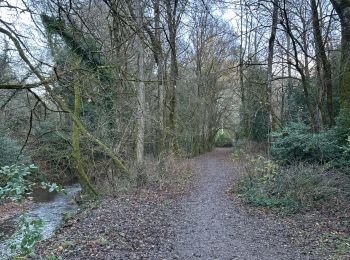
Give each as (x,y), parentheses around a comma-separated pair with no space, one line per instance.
(138,217)
(311,197)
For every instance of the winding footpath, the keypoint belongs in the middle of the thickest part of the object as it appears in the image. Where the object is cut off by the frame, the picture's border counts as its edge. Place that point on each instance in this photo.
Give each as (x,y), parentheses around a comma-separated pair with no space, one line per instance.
(214,226)
(206,222)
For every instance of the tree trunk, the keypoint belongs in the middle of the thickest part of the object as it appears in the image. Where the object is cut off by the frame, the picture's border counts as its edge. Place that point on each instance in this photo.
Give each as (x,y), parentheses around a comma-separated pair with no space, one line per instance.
(79,165)
(342,7)
(289,82)
(160,75)
(325,64)
(269,68)
(244,119)
(172,25)
(141,88)
(304,73)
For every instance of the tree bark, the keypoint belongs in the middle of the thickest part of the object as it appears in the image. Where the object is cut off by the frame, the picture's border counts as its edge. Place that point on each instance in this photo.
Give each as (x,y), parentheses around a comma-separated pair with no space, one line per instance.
(325,64)
(141,88)
(342,7)
(171,11)
(79,165)
(159,58)
(244,119)
(269,69)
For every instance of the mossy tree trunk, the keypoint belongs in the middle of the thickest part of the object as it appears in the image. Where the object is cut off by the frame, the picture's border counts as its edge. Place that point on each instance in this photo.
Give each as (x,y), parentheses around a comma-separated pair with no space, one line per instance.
(76,153)
(61,103)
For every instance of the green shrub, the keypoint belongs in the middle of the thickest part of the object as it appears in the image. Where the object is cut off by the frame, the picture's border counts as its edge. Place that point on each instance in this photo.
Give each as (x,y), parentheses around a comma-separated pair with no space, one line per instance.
(17,181)
(29,233)
(293,143)
(297,143)
(223,139)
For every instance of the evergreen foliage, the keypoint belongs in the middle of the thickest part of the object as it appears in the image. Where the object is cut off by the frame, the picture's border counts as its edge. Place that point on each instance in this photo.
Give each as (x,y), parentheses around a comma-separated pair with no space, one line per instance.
(296,142)
(16,181)
(29,233)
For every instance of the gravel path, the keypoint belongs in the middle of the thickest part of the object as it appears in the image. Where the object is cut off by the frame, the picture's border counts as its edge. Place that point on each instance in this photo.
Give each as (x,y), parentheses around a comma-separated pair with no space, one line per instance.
(204,223)
(213,226)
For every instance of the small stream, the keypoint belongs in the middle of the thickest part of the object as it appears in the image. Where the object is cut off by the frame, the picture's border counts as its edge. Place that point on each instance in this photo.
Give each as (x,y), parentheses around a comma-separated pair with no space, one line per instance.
(49,207)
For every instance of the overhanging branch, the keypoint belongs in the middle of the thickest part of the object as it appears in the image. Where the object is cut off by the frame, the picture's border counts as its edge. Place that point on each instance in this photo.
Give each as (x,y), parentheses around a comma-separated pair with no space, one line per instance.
(19,86)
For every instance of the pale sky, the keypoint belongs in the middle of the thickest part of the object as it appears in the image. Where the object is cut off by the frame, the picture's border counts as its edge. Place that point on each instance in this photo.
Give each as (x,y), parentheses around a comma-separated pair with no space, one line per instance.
(35,40)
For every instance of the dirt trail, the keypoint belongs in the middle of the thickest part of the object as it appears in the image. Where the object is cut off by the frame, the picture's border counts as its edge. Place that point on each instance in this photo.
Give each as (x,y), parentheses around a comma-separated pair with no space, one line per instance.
(213,226)
(204,223)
